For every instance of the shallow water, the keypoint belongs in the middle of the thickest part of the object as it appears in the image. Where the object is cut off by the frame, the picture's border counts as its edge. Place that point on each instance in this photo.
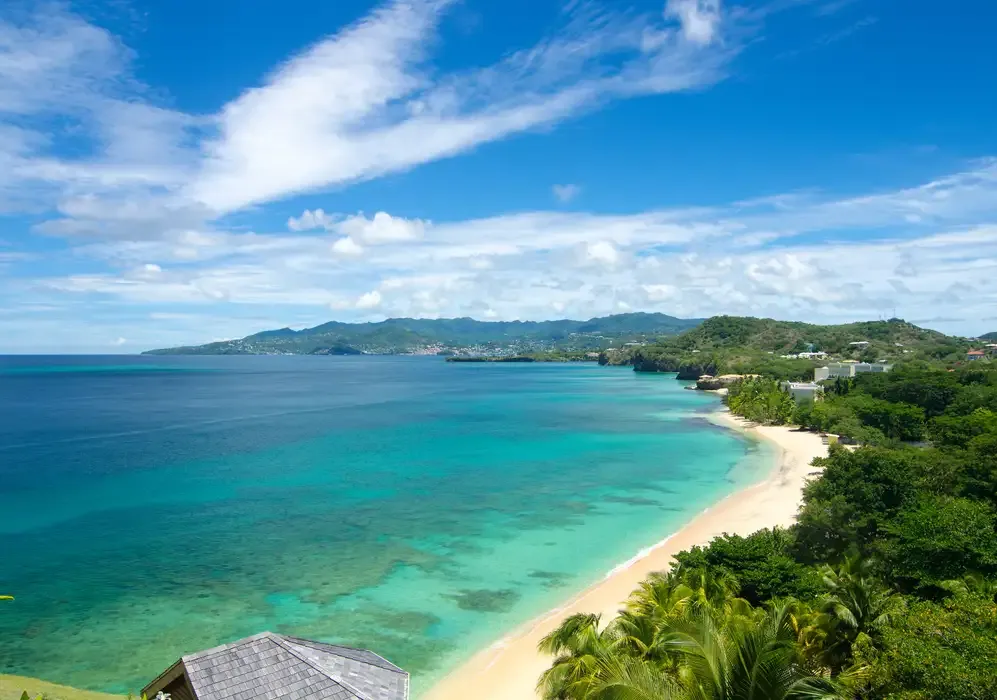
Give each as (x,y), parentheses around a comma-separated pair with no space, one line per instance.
(151,507)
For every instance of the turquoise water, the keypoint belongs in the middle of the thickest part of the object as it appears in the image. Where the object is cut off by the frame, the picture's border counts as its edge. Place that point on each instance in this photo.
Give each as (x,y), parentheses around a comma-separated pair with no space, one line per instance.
(152,507)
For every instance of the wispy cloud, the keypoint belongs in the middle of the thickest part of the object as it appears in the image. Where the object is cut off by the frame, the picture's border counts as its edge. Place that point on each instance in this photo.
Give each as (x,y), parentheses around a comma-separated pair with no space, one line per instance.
(565,193)
(363,102)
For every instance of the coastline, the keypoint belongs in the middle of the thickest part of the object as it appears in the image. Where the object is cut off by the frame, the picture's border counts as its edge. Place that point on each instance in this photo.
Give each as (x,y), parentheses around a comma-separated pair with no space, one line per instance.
(509,669)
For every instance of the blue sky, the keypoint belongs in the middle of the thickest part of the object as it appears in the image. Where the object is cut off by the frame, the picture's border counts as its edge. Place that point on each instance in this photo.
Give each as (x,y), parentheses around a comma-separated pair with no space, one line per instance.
(182,172)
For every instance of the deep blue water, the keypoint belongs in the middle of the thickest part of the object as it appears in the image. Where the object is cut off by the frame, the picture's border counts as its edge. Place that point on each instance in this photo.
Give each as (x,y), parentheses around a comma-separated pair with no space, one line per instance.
(154,506)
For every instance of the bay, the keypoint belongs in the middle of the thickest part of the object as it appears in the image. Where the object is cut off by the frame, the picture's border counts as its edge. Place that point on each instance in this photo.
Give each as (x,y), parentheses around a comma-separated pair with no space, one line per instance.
(155,506)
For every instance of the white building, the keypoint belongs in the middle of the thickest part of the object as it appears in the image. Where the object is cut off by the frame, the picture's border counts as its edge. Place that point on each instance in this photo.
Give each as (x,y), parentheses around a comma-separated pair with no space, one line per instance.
(847,370)
(802,391)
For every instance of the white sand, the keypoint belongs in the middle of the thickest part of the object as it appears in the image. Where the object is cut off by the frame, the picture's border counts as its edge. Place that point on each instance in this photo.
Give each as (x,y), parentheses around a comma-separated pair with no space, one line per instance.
(509,669)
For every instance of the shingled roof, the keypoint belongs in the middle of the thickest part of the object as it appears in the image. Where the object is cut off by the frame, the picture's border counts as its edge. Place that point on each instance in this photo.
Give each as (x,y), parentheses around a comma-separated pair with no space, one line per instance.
(270,666)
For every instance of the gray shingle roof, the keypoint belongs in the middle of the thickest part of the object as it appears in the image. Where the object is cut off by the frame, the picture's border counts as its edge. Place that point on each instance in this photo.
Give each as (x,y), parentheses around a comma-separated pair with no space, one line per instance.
(270,666)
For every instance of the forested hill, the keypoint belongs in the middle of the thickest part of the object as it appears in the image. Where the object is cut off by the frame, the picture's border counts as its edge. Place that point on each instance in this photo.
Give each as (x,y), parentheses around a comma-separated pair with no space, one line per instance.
(743,344)
(989,336)
(449,336)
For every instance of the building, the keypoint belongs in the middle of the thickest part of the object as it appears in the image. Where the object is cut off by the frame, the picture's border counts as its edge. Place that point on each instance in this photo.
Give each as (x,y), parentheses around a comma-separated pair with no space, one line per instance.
(991,348)
(270,666)
(872,367)
(802,391)
(847,370)
(975,355)
(861,344)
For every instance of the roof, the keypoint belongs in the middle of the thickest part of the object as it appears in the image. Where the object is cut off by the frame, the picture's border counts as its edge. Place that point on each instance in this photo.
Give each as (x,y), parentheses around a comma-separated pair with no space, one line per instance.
(270,666)
(976,352)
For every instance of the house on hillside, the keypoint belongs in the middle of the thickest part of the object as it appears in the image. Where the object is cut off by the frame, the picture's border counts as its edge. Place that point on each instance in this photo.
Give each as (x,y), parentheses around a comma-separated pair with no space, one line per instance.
(270,666)
(991,348)
(975,355)
(860,344)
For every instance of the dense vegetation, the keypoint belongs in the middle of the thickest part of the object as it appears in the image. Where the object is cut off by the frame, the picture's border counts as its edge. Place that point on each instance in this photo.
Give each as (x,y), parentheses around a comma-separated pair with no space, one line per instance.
(885,589)
(738,345)
(909,404)
(401,335)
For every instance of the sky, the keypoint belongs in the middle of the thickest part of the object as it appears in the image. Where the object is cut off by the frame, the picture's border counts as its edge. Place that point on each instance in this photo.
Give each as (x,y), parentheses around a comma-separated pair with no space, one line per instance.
(182,172)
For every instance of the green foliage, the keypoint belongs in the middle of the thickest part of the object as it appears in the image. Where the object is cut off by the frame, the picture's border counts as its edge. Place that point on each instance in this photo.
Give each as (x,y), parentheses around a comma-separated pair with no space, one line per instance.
(884,589)
(941,537)
(943,651)
(684,636)
(854,612)
(761,400)
(959,431)
(858,493)
(761,563)
(897,421)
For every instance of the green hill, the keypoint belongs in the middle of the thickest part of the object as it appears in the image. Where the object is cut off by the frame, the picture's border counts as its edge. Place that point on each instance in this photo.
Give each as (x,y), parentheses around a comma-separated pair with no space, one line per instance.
(989,336)
(743,344)
(449,335)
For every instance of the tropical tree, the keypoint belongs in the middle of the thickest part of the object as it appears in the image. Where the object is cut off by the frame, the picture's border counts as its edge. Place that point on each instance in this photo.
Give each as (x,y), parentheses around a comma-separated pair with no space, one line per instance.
(855,610)
(579,646)
(721,659)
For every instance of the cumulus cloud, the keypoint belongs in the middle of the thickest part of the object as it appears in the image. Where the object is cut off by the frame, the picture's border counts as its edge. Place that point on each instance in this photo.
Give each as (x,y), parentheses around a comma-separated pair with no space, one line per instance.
(601,253)
(370,300)
(687,262)
(382,228)
(310,220)
(347,246)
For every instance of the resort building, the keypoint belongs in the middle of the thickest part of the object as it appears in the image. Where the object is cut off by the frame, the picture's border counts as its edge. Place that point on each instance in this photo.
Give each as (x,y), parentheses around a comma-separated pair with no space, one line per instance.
(802,391)
(860,344)
(847,370)
(270,666)
(975,355)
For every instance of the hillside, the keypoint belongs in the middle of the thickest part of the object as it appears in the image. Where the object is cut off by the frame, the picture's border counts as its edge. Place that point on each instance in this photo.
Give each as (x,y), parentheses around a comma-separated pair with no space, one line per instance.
(460,336)
(989,336)
(743,344)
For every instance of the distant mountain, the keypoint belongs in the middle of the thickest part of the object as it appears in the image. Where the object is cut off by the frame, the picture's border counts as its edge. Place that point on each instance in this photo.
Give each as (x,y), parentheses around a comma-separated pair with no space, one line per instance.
(448,336)
(989,336)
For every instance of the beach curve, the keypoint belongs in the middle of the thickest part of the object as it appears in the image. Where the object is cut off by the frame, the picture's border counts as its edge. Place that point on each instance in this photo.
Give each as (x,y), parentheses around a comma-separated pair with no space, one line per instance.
(509,669)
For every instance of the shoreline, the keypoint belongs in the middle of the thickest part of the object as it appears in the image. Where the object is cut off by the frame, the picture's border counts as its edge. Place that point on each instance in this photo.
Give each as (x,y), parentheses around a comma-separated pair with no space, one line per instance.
(510,668)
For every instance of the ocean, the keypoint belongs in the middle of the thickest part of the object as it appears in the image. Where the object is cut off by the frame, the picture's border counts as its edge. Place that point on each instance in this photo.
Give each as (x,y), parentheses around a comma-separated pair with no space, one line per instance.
(156,506)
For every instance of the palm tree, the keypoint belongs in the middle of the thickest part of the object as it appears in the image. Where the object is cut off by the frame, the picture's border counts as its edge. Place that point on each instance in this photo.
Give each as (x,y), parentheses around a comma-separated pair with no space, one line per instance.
(721,659)
(856,607)
(577,645)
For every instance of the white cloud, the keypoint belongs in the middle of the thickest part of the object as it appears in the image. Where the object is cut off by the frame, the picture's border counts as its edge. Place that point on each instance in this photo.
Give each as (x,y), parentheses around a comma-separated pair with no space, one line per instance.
(310,220)
(602,253)
(370,300)
(347,246)
(119,341)
(687,262)
(383,228)
(565,193)
(700,19)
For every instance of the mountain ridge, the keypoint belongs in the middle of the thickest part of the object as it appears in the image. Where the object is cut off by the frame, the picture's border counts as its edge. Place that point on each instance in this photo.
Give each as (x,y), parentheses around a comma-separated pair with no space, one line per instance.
(446,336)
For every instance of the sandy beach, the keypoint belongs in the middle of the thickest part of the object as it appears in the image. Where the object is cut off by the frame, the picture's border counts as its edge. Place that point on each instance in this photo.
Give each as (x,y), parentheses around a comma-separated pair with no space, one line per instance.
(509,669)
